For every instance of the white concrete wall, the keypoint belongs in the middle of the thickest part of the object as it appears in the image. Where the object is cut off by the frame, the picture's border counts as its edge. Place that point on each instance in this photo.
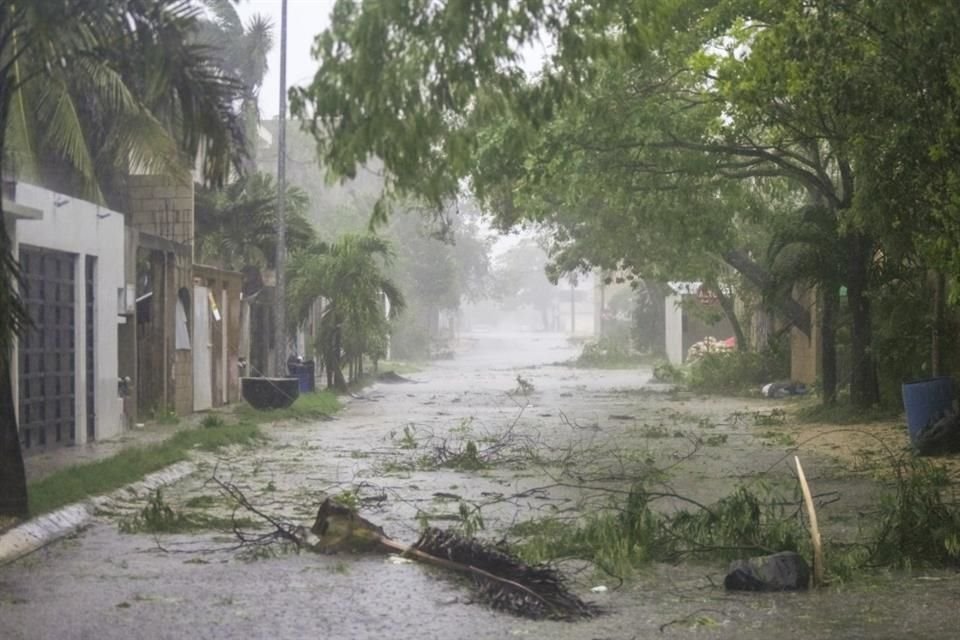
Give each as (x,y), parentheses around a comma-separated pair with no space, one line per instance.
(82,228)
(673,323)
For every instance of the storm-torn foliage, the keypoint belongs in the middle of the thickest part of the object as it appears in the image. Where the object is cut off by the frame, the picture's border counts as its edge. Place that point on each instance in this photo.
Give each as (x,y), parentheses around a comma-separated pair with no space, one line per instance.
(681,139)
(498,577)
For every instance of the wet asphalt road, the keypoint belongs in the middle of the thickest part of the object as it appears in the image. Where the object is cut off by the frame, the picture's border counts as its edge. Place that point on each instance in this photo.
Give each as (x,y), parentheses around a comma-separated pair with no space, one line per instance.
(102,584)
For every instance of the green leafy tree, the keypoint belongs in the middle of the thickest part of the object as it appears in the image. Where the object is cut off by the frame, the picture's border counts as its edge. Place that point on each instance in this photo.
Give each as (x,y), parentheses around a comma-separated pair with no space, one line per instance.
(520,280)
(430,139)
(441,261)
(359,300)
(697,111)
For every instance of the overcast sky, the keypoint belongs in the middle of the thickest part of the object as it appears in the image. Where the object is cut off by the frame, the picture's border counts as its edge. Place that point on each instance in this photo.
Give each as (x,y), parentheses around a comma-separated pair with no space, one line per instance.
(305,19)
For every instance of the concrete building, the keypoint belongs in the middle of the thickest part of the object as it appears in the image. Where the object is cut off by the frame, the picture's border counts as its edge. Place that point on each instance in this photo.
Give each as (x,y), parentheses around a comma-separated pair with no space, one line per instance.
(187,318)
(125,326)
(805,356)
(66,375)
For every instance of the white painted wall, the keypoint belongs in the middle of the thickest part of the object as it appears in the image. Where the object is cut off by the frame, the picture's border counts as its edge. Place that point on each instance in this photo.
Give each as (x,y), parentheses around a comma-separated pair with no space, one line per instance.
(673,323)
(83,228)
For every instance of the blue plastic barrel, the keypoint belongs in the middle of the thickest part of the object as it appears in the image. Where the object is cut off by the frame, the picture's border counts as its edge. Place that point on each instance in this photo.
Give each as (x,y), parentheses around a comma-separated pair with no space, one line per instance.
(305,372)
(926,401)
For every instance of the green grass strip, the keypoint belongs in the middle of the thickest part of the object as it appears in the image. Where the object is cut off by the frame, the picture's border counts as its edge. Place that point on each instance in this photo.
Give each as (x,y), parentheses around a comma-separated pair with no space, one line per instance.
(79,482)
(843,412)
(309,406)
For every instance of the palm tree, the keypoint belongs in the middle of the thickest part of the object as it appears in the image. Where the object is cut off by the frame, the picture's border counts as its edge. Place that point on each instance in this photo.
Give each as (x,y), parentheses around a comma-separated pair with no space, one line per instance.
(235,226)
(87,87)
(149,105)
(241,51)
(359,300)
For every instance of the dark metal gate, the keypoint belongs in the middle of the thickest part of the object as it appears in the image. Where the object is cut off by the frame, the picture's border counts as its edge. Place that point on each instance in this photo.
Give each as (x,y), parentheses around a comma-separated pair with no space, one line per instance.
(47,379)
(91,271)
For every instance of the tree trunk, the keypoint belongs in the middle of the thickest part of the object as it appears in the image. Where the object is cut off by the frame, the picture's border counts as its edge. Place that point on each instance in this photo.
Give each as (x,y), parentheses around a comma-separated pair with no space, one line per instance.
(339,384)
(729,310)
(830,302)
(939,320)
(13,479)
(795,312)
(863,380)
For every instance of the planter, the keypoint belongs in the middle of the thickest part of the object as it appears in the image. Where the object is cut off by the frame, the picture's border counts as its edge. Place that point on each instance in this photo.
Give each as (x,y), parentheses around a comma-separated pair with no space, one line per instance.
(270,393)
(925,402)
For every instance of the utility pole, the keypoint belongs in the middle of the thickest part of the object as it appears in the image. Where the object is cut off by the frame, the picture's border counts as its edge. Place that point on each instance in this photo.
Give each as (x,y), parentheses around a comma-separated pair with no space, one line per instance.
(573,308)
(280,308)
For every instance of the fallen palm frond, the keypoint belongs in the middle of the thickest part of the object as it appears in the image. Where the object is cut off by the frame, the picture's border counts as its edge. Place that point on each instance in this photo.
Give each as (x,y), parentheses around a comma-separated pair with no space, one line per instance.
(501,579)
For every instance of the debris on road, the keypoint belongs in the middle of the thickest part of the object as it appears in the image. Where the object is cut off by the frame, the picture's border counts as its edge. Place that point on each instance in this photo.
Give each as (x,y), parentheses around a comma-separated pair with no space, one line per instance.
(784,571)
(500,579)
(941,437)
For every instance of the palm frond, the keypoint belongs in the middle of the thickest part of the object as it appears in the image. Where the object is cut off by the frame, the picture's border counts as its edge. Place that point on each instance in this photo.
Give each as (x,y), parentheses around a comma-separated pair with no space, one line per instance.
(65,132)
(226,15)
(394,297)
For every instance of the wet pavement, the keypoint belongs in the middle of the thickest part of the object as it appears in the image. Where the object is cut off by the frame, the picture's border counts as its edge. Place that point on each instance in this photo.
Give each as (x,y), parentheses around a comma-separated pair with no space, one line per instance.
(591,430)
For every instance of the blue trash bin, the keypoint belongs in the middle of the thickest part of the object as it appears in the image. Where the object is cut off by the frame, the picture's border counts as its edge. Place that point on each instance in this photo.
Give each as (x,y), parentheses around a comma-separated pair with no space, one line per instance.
(925,401)
(305,372)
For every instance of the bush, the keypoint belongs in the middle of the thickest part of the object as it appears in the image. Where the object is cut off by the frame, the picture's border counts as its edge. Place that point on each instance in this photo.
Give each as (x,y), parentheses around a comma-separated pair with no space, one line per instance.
(608,351)
(918,526)
(737,371)
(663,371)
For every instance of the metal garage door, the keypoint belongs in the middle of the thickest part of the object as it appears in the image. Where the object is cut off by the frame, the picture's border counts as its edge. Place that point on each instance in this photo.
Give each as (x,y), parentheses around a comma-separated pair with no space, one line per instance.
(47,359)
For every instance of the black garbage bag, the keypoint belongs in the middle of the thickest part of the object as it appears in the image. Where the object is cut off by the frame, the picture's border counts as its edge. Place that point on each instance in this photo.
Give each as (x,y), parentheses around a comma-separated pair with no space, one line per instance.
(784,571)
(940,437)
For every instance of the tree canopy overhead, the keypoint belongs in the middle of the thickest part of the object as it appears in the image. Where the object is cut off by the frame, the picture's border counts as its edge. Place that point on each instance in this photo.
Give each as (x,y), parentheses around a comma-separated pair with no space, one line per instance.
(671,137)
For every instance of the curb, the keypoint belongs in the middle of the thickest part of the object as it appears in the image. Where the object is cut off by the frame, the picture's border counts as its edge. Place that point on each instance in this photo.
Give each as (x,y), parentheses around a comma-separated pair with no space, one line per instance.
(38,532)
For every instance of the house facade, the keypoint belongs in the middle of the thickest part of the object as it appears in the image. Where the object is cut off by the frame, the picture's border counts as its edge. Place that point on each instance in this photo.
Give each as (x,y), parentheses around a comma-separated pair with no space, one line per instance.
(683,328)
(187,316)
(66,377)
(125,326)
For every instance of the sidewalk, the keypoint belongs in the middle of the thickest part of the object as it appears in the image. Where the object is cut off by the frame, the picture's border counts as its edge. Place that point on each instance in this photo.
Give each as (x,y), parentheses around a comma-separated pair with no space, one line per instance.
(41,465)
(38,532)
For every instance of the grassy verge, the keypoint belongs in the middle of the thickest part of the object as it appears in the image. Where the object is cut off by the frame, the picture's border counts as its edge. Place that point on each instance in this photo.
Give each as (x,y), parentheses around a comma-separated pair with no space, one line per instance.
(76,483)
(399,367)
(217,430)
(842,412)
(310,406)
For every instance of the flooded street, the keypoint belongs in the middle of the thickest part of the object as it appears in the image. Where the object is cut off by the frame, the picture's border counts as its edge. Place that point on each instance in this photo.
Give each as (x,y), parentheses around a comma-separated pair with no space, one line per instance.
(591,430)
